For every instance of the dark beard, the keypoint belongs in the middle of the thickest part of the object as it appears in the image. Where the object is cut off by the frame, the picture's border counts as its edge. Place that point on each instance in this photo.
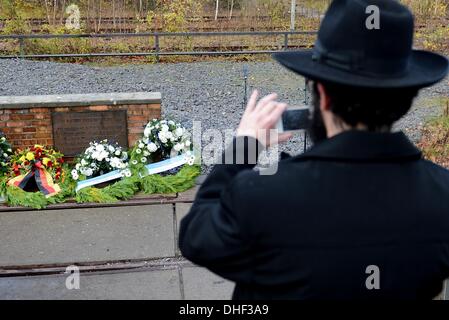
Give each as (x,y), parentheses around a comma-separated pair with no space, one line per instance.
(317,130)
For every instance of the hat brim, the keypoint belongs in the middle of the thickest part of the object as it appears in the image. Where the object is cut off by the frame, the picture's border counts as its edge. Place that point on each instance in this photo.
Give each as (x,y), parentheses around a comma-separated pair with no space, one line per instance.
(425,69)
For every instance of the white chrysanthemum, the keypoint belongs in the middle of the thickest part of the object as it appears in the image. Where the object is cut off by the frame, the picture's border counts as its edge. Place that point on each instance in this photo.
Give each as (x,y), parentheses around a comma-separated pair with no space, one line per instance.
(165,128)
(146,153)
(152,147)
(117,152)
(178,147)
(128,173)
(138,151)
(134,162)
(84,162)
(147,132)
(143,160)
(170,136)
(188,143)
(162,136)
(99,148)
(111,149)
(141,145)
(179,132)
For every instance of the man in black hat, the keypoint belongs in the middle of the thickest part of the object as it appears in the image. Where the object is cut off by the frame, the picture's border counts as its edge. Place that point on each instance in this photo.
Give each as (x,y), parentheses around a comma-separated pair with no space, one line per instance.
(360,215)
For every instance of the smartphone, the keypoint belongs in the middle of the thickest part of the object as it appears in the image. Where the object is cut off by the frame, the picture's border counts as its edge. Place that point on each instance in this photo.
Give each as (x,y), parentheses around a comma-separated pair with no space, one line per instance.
(294,119)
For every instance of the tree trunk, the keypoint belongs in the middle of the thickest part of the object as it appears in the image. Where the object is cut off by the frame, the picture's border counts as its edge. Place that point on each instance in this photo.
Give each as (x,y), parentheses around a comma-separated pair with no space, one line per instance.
(99,15)
(231,9)
(216,10)
(113,14)
(55,7)
(47,10)
(293,15)
(62,13)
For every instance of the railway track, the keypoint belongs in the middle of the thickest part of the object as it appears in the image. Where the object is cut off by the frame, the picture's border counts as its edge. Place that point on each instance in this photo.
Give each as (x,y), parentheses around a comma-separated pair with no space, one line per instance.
(129,265)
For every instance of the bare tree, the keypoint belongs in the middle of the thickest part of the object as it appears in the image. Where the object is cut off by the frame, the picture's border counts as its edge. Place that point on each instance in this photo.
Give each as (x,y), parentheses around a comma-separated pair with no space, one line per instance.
(293,16)
(231,9)
(216,9)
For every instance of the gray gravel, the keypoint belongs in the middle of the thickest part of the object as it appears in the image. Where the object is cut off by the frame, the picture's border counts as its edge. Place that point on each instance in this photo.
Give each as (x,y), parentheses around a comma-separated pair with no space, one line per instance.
(211,92)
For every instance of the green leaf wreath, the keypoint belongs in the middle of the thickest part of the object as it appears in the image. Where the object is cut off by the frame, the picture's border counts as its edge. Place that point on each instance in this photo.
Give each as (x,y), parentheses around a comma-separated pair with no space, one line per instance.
(161,140)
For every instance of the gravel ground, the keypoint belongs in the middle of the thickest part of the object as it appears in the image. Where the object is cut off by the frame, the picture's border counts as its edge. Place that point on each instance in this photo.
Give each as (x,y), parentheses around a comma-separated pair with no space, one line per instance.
(210,92)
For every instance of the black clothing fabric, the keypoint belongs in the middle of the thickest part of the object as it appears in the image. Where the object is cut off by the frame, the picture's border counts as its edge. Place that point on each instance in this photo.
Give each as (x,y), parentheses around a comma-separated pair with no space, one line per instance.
(312,230)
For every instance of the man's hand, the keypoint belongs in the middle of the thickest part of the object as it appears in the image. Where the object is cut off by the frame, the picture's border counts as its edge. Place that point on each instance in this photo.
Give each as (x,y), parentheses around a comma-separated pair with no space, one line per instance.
(261,117)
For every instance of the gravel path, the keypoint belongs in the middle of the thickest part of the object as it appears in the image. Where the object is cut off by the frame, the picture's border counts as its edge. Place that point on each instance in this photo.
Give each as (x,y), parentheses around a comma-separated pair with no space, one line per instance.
(211,92)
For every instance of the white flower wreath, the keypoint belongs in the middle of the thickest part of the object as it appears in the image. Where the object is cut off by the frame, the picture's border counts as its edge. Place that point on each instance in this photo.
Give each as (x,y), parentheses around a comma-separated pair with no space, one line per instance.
(161,140)
(100,158)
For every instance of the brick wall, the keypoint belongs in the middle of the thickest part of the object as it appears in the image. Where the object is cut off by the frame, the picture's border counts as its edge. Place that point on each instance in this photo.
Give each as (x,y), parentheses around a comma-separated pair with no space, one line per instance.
(25,127)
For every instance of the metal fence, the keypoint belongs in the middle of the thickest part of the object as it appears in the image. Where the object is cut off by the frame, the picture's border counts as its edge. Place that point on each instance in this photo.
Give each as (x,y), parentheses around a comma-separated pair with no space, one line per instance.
(156,50)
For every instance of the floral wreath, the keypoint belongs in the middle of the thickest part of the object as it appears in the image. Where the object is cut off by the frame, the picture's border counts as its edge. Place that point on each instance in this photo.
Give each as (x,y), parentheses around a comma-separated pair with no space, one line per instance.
(40,163)
(100,158)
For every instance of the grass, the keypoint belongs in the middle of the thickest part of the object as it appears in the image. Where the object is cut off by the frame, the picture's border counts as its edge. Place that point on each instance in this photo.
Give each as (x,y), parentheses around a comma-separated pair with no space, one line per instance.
(435,137)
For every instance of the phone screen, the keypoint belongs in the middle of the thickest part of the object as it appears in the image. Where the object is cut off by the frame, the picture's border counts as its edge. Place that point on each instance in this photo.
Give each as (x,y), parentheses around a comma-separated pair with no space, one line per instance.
(294,119)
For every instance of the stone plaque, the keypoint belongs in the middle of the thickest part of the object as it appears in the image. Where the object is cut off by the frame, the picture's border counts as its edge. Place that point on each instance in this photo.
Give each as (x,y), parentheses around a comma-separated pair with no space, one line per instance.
(72,131)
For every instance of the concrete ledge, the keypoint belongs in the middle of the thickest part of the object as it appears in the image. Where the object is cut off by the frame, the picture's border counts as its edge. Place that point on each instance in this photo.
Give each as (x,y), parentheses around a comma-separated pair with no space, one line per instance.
(73,100)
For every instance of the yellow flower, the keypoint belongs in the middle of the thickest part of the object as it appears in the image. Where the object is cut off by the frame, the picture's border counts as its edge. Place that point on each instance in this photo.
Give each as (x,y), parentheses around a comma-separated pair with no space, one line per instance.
(38,146)
(30,156)
(22,159)
(45,161)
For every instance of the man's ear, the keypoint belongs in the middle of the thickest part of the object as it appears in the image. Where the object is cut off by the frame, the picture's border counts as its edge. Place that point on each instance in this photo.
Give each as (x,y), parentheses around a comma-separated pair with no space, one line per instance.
(325,103)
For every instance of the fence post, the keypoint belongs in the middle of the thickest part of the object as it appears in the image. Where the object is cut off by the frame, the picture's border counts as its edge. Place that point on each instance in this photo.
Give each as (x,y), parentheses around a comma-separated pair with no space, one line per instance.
(21,47)
(156,44)
(285,41)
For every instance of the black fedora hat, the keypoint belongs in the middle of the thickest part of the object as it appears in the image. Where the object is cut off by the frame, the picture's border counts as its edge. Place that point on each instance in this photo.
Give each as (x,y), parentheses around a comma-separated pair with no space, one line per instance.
(350,52)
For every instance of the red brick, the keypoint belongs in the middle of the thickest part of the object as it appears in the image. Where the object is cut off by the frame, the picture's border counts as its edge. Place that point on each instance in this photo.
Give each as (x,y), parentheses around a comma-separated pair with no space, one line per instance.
(61,109)
(29,129)
(15,124)
(40,110)
(99,108)
(137,118)
(20,111)
(41,116)
(135,130)
(22,116)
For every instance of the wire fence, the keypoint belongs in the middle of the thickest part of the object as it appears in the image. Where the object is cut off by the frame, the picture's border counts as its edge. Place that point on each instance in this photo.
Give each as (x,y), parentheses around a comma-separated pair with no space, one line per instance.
(279,41)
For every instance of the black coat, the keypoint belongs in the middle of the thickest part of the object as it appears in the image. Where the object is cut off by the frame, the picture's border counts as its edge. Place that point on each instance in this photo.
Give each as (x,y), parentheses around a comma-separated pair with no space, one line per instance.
(311,230)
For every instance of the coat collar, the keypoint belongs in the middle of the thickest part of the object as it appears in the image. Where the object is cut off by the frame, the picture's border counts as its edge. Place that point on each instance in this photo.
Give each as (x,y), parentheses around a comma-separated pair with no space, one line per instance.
(362,146)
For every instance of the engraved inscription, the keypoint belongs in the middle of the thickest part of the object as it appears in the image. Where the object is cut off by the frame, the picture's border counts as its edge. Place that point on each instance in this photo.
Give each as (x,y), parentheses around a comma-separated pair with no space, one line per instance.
(72,131)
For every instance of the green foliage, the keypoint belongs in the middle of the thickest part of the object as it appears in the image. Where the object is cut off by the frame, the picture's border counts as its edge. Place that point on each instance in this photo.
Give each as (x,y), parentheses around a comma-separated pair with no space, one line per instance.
(13,12)
(428,8)
(435,137)
(172,16)
(128,187)
(436,40)
(17,197)
(182,181)
(94,195)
